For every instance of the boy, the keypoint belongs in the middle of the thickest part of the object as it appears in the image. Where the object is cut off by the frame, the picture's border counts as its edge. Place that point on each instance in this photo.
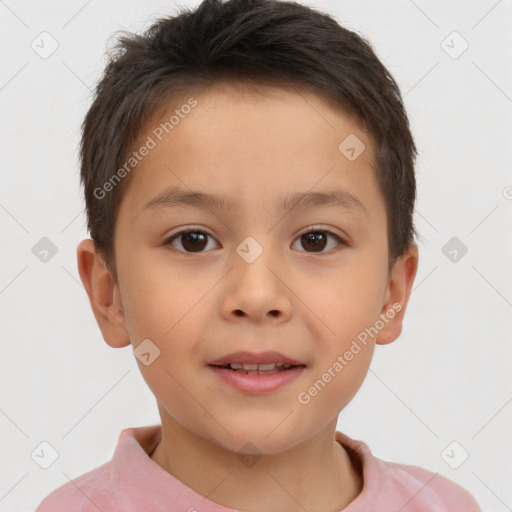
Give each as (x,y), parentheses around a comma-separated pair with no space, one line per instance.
(249,180)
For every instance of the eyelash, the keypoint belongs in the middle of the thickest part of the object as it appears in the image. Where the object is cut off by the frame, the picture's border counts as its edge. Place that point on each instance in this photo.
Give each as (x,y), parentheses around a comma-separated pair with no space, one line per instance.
(318,229)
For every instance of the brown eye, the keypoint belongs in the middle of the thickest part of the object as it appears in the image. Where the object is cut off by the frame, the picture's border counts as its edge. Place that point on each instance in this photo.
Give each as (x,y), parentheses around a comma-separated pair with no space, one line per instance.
(196,241)
(315,240)
(191,240)
(318,239)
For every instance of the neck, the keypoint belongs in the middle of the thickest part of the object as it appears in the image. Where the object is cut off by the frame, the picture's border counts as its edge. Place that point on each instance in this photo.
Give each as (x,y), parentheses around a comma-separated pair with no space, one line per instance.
(314,475)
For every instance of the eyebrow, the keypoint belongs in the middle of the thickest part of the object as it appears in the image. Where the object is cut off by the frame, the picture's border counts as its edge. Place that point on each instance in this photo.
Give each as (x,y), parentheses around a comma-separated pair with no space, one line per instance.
(176,196)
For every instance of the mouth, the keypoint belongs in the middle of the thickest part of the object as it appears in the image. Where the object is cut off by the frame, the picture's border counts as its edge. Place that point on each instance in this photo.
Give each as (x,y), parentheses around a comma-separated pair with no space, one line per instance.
(257,378)
(257,368)
(257,373)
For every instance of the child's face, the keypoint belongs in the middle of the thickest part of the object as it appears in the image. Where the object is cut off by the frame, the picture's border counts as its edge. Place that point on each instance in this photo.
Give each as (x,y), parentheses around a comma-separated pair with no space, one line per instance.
(198,303)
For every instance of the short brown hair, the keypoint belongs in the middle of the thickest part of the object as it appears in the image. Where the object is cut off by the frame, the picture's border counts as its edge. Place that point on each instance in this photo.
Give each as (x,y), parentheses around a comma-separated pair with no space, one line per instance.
(271,42)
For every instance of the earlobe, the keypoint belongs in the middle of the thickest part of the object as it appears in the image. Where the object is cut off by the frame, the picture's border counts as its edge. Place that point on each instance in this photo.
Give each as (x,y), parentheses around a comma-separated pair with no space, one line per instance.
(103,295)
(397,296)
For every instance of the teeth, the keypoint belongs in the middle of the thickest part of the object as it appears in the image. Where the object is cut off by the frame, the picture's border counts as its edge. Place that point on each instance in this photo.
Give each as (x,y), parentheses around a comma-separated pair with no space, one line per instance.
(269,366)
(247,366)
(255,368)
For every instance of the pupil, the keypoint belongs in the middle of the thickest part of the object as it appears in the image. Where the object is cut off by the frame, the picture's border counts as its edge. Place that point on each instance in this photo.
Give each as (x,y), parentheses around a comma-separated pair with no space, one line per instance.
(196,240)
(312,238)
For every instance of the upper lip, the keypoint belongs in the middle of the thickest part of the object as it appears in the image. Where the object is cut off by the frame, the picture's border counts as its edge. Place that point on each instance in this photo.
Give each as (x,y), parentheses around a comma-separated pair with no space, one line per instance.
(256,357)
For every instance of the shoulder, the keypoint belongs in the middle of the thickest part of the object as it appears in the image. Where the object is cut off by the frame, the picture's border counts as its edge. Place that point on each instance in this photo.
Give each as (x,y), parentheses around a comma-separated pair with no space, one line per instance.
(403,487)
(432,490)
(88,492)
(119,484)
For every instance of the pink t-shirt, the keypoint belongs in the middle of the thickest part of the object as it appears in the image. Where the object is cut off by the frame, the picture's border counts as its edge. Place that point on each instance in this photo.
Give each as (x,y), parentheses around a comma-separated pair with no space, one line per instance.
(132,482)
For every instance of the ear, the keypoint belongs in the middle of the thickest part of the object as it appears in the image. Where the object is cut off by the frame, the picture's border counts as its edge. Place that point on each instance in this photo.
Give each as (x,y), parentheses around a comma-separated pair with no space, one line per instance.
(397,295)
(103,295)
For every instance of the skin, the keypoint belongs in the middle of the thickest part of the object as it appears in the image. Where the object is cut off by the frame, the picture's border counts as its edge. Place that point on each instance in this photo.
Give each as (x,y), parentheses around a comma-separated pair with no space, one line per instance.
(253,146)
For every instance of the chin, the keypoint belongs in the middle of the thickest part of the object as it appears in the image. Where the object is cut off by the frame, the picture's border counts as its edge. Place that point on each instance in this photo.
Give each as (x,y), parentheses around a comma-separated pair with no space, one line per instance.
(257,437)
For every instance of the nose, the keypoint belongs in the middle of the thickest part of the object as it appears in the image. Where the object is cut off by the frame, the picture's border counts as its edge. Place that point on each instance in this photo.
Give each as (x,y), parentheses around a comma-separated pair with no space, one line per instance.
(257,289)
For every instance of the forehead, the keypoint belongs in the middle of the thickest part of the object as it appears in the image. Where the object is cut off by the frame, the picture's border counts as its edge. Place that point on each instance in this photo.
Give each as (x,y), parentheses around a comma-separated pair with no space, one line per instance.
(253,144)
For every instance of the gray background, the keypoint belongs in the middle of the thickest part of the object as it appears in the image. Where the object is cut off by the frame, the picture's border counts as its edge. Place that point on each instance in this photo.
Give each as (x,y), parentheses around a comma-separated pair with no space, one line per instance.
(446,379)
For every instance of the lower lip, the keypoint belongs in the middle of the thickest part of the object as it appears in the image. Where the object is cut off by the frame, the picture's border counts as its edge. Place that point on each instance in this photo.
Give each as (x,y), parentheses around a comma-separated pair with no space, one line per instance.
(257,384)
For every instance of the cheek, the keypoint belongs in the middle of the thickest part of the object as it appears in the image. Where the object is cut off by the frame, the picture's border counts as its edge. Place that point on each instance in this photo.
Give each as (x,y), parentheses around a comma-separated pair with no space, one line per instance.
(171,319)
(153,296)
(348,302)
